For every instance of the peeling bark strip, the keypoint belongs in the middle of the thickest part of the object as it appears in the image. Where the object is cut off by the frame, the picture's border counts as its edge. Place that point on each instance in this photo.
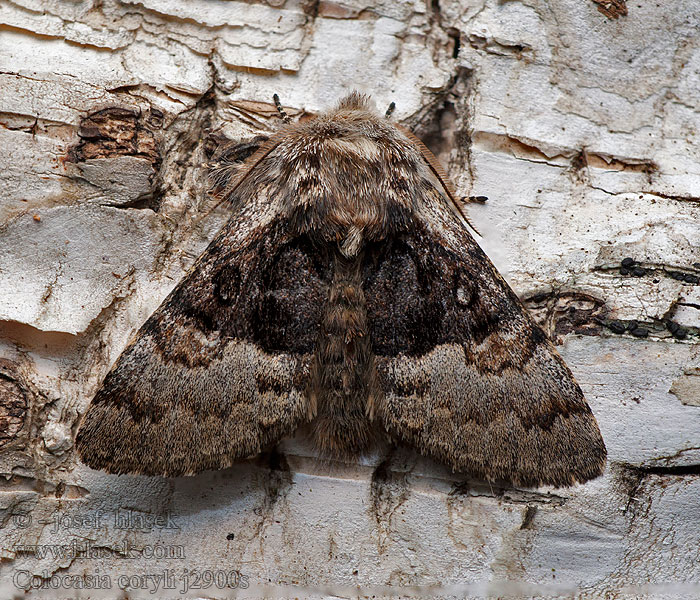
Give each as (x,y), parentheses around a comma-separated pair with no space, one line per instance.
(492,46)
(600,160)
(687,387)
(13,402)
(561,313)
(612,8)
(117,131)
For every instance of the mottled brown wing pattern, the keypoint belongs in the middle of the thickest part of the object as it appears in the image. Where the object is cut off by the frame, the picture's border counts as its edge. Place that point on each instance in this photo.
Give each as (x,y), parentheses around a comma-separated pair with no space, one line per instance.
(468,377)
(345,287)
(220,370)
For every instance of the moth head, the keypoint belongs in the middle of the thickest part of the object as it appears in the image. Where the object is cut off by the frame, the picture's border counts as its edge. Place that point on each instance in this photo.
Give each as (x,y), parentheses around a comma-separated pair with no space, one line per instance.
(356,101)
(355,117)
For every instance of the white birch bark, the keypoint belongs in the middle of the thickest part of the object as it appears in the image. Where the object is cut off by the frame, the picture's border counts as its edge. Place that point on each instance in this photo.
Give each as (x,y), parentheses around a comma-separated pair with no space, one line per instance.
(578,120)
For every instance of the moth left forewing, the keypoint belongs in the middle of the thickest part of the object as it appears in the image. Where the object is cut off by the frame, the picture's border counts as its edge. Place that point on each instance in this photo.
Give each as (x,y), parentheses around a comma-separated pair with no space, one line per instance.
(468,377)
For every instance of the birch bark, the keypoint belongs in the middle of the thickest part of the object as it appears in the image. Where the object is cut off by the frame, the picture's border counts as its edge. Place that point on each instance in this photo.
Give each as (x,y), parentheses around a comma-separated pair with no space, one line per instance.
(577,119)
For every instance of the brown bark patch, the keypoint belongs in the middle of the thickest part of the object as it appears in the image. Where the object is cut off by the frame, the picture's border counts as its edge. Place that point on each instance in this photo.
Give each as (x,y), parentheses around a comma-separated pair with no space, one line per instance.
(612,8)
(14,403)
(118,132)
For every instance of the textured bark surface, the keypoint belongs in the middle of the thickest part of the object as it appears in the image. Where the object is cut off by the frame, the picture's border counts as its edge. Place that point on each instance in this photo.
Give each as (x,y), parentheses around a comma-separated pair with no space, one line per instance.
(577,119)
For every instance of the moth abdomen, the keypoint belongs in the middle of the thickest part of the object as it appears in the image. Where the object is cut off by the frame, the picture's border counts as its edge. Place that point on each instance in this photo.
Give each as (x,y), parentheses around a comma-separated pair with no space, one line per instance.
(342,372)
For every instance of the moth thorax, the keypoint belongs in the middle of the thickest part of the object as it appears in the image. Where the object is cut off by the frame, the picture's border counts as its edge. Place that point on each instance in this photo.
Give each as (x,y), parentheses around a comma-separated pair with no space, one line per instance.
(354,217)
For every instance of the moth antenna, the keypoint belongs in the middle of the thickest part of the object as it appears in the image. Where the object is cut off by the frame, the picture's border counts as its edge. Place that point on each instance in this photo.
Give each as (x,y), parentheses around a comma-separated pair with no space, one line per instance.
(462,211)
(250,164)
(439,172)
(283,115)
(390,110)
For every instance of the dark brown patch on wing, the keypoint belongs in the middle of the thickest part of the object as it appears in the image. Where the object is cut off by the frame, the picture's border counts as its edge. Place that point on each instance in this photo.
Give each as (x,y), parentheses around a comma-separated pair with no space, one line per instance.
(296,289)
(272,293)
(421,295)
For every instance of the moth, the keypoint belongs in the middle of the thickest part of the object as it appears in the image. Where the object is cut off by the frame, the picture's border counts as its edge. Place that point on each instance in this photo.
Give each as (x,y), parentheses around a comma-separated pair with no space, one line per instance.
(346,295)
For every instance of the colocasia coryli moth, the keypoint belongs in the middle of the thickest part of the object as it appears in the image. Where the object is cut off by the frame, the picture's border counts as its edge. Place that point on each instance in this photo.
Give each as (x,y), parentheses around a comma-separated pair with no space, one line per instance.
(346,294)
